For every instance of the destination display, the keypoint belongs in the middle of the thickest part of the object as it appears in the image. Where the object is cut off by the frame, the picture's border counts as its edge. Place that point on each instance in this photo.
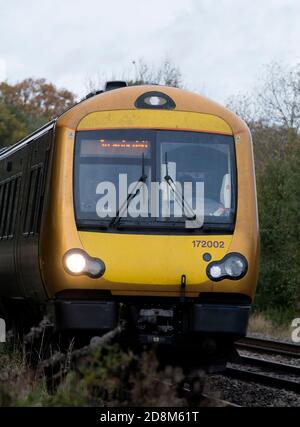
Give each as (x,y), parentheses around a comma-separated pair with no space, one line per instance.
(111,148)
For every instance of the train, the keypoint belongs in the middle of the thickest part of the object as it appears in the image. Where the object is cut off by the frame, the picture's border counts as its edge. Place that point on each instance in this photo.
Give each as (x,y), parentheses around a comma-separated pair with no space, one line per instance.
(138,203)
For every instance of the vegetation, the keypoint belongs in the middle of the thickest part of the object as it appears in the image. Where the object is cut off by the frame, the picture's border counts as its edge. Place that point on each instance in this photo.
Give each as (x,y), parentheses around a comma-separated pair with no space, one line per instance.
(165,73)
(12,127)
(27,105)
(273,115)
(271,323)
(107,377)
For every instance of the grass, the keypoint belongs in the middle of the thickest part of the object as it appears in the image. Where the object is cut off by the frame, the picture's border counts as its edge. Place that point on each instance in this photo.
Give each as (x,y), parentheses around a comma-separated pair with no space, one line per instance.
(107,377)
(273,323)
(16,379)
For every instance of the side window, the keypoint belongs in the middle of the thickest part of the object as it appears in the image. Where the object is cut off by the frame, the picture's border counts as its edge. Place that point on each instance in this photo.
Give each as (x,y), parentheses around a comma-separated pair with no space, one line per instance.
(1,203)
(23,193)
(9,196)
(14,207)
(3,213)
(9,207)
(43,178)
(33,201)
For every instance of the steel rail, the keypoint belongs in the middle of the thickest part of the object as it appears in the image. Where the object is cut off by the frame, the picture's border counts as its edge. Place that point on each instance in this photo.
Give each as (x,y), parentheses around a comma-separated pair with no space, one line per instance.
(267,346)
(260,378)
(270,365)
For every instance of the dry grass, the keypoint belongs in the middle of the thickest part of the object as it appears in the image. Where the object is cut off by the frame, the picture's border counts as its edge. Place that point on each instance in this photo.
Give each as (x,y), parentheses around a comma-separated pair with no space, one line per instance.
(17,381)
(261,324)
(105,377)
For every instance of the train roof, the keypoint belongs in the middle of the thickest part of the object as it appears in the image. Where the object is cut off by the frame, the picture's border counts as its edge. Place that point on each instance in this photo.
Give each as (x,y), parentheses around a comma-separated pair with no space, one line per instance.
(121,97)
(125,98)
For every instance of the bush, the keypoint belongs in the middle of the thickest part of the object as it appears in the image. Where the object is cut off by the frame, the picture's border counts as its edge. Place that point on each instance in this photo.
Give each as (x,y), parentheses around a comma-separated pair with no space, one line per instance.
(279,210)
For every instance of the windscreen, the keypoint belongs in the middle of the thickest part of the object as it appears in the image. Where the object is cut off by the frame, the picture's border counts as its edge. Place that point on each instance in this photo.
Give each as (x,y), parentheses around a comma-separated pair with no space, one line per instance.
(154,178)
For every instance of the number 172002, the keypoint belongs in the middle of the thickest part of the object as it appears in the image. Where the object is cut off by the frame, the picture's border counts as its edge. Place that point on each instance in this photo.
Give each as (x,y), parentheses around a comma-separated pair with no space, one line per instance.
(208,244)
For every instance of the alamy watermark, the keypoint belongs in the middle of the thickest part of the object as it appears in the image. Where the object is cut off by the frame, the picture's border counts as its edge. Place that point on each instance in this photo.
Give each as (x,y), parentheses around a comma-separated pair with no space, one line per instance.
(165,199)
(2,331)
(296,331)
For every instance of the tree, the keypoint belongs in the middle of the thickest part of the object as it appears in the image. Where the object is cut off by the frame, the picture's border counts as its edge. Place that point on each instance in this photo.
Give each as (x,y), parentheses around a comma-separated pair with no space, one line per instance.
(165,73)
(279,96)
(38,100)
(275,101)
(11,128)
(272,111)
(279,210)
(244,107)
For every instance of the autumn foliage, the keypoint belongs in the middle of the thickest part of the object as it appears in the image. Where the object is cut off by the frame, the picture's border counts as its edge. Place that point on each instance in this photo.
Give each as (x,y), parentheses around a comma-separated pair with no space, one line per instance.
(29,104)
(37,97)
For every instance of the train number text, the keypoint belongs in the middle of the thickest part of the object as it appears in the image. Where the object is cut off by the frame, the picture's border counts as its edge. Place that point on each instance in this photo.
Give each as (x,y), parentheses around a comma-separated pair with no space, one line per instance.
(208,244)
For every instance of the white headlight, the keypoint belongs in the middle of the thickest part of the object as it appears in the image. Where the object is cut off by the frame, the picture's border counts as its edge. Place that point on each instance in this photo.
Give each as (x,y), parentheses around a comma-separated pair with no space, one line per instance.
(215,272)
(75,263)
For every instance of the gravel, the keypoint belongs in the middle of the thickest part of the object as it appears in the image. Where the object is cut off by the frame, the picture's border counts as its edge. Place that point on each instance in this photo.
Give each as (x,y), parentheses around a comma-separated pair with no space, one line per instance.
(249,394)
(261,370)
(272,357)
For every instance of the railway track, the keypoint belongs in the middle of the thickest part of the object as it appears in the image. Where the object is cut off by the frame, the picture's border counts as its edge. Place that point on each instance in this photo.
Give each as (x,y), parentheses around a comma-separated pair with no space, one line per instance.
(208,401)
(263,370)
(193,396)
(260,345)
(269,365)
(243,374)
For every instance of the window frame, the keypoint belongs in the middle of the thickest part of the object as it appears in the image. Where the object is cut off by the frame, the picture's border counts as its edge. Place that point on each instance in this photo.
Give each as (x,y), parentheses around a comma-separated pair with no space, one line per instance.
(33,200)
(9,202)
(154,225)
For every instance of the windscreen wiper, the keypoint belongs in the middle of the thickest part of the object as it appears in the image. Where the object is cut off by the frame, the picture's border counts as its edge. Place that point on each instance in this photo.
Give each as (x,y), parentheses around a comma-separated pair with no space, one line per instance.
(142,180)
(177,196)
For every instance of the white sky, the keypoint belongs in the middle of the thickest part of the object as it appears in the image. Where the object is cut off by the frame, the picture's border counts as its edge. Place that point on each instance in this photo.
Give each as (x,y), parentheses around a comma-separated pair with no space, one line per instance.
(219,45)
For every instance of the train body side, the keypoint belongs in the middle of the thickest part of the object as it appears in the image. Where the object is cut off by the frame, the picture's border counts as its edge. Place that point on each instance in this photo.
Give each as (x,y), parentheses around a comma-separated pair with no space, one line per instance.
(23,181)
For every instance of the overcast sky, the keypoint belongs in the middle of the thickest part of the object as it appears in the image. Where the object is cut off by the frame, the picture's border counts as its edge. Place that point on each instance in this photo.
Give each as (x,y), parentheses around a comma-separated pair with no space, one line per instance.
(219,45)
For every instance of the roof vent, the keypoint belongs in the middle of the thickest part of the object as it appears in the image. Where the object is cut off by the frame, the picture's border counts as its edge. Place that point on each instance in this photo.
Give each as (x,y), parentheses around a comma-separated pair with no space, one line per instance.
(114,85)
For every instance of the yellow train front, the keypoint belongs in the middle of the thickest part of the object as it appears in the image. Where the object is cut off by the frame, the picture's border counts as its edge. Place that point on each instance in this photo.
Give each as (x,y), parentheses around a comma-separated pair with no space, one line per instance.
(149,212)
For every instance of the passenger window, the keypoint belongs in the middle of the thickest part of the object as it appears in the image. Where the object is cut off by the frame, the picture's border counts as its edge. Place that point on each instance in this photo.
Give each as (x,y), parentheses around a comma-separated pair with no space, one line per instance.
(3,214)
(32,201)
(14,207)
(9,197)
(9,207)
(1,202)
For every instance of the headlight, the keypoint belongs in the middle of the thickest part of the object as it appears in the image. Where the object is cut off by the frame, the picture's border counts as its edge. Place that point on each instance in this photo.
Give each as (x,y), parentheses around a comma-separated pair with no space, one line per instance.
(216,272)
(78,262)
(75,262)
(234,267)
